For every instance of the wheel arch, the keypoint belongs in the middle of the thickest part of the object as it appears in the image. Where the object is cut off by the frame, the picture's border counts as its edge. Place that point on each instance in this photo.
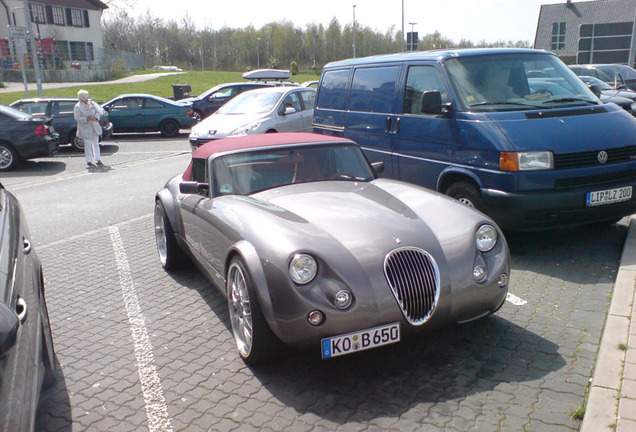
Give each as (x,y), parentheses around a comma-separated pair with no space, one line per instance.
(247,252)
(454,175)
(165,197)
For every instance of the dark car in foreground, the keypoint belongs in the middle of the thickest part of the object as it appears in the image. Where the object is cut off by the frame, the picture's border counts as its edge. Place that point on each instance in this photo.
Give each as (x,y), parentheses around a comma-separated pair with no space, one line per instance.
(149,113)
(23,136)
(313,250)
(27,357)
(61,111)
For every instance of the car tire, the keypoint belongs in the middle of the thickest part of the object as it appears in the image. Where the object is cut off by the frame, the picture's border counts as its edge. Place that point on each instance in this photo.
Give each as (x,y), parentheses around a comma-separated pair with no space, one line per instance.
(254,339)
(198,115)
(77,144)
(169,128)
(9,158)
(48,357)
(171,256)
(466,194)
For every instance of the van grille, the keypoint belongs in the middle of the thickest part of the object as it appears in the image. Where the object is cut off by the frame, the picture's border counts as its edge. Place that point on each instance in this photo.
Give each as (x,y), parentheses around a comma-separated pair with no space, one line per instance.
(590,158)
(413,276)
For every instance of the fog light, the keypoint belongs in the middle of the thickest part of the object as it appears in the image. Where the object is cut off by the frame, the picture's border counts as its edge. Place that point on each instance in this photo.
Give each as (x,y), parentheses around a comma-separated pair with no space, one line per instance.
(343,299)
(480,273)
(503,280)
(315,318)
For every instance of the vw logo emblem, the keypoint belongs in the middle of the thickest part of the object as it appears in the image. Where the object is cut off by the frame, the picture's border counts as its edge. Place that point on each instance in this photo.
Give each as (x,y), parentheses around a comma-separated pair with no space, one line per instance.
(602,156)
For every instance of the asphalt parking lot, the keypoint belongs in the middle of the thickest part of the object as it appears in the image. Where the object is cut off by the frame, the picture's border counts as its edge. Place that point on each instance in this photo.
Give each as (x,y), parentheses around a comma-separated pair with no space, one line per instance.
(142,349)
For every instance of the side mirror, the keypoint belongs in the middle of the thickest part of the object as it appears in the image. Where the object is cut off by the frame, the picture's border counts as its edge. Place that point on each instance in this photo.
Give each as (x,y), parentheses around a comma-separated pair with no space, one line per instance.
(9,324)
(432,103)
(192,187)
(289,110)
(619,82)
(596,89)
(378,167)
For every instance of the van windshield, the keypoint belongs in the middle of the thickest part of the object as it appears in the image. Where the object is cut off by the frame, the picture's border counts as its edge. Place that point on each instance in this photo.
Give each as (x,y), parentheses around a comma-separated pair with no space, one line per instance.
(521,81)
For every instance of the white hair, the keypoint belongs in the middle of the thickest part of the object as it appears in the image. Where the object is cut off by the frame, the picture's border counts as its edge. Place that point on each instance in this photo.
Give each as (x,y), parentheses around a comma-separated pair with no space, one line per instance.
(82,95)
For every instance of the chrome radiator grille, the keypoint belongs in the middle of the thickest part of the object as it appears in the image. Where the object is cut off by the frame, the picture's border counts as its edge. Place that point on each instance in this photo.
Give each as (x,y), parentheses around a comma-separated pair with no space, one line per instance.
(413,276)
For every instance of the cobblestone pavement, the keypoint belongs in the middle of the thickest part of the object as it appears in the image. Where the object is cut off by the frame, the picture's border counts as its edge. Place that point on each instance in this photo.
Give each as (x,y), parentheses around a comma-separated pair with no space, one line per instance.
(142,349)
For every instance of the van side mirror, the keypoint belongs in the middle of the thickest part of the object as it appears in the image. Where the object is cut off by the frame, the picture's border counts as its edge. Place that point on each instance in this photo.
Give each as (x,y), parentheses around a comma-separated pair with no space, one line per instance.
(378,167)
(432,103)
(596,89)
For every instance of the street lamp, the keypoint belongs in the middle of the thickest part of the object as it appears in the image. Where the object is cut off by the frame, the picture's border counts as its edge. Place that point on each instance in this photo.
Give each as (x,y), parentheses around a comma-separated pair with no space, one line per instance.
(36,60)
(258,54)
(354,31)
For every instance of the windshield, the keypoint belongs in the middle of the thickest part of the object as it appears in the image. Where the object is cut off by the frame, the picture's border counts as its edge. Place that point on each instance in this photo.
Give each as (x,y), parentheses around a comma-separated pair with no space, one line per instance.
(250,172)
(503,82)
(251,103)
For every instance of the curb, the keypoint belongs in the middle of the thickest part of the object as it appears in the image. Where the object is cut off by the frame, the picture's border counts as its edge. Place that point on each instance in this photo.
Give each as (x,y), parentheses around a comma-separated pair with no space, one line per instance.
(602,408)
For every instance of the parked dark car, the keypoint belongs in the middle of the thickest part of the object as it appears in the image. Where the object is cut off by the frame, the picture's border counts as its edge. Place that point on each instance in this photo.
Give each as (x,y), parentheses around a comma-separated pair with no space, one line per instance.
(208,102)
(149,113)
(61,111)
(27,358)
(313,250)
(616,75)
(23,136)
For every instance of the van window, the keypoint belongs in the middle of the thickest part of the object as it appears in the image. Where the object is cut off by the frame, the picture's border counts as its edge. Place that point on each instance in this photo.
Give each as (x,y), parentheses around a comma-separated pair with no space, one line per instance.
(420,79)
(373,89)
(333,89)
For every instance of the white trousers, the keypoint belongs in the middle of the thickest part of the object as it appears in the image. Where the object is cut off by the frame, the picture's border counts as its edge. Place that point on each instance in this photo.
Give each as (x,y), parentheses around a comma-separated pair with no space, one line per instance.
(91,150)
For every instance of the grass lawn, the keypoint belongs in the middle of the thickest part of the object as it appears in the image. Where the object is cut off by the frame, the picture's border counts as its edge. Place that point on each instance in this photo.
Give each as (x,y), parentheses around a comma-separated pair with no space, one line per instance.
(199,81)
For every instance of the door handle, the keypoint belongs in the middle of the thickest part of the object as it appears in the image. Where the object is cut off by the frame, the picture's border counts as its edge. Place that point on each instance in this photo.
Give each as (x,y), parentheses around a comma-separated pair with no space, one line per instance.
(397,125)
(26,245)
(387,125)
(21,310)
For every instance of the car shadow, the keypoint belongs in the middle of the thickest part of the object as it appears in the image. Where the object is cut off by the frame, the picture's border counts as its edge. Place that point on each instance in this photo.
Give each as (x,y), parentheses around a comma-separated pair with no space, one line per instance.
(54,410)
(584,255)
(39,168)
(135,136)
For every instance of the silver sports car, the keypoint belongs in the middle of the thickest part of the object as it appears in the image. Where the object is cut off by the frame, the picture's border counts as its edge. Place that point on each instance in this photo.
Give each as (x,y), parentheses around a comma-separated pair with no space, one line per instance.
(313,250)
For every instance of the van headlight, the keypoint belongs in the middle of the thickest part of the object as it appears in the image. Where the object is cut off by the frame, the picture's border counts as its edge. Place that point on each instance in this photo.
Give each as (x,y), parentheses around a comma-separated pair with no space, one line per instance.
(526,161)
(485,238)
(303,268)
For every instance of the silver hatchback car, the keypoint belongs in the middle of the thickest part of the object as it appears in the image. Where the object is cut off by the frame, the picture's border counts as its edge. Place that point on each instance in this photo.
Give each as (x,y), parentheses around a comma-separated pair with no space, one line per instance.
(266,110)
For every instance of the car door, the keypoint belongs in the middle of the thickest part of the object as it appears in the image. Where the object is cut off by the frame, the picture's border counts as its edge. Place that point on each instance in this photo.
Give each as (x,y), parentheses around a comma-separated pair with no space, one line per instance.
(308,99)
(126,114)
(289,114)
(218,98)
(20,344)
(153,112)
(64,122)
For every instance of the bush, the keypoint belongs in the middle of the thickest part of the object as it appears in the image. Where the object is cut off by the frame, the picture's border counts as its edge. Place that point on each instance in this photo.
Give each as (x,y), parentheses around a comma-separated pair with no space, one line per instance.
(293,67)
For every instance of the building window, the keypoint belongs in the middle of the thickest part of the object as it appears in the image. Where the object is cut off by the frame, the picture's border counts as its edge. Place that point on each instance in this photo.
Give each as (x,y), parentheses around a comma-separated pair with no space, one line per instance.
(558,36)
(58,15)
(74,17)
(38,14)
(82,51)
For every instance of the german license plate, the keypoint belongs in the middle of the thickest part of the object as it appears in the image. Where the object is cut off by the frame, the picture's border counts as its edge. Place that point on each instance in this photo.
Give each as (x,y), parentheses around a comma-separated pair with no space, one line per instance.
(361,340)
(608,196)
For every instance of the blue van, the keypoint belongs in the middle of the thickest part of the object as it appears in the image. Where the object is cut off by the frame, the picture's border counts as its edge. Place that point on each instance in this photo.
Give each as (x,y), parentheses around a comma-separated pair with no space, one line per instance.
(512,132)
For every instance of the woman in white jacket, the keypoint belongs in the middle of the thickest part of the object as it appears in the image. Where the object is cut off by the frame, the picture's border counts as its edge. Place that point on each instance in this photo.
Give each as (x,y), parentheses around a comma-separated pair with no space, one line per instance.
(87,114)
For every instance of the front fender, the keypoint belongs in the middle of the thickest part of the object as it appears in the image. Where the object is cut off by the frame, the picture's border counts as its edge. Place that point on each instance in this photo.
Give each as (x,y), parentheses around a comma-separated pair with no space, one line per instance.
(255,268)
(455,172)
(172,210)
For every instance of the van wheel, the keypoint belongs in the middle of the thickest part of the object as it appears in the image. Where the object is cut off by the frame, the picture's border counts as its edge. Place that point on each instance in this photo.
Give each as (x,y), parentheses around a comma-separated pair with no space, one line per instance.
(466,194)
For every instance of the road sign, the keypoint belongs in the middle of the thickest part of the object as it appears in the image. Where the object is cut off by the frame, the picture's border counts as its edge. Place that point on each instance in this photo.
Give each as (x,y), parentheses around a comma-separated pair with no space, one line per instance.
(18,32)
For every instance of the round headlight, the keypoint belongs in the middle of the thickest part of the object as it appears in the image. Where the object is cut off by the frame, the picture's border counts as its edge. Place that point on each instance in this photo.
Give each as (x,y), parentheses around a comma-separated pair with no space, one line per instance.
(486,238)
(343,299)
(480,273)
(302,268)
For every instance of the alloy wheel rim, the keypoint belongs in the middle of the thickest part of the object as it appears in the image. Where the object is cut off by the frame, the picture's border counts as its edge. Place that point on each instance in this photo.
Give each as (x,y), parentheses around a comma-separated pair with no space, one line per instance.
(240,310)
(160,236)
(6,158)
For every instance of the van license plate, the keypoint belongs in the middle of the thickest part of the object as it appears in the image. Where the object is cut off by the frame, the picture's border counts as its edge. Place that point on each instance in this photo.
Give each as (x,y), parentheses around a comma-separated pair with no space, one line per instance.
(608,196)
(360,340)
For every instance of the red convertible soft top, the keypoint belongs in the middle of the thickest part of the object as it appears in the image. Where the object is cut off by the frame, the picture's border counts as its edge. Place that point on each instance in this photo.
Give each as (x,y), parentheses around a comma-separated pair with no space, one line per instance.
(256,141)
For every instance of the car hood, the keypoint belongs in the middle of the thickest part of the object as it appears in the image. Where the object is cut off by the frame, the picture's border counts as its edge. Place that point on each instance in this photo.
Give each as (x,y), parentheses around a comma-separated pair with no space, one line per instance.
(557,130)
(223,124)
(368,220)
(620,93)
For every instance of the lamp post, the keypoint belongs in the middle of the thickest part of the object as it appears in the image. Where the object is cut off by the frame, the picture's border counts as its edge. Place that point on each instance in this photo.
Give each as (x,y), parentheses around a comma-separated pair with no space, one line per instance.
(258,53)
(354,31)
(412,35)
(403,47)
(36,60)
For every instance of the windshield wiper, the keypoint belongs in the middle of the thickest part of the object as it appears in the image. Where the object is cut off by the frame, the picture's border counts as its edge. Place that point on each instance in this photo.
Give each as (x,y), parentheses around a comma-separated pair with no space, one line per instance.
(505,103)
(570,99)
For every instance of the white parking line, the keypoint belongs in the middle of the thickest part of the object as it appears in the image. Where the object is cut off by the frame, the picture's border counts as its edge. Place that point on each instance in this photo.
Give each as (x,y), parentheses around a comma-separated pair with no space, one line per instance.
(517,301)
(156,409)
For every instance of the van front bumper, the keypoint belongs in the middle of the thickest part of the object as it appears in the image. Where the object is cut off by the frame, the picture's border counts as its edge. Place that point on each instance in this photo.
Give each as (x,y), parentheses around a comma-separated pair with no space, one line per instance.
(541,210)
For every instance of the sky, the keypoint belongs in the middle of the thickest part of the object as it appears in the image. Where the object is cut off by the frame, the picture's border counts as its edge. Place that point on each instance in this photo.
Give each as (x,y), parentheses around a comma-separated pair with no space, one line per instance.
(490,20)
